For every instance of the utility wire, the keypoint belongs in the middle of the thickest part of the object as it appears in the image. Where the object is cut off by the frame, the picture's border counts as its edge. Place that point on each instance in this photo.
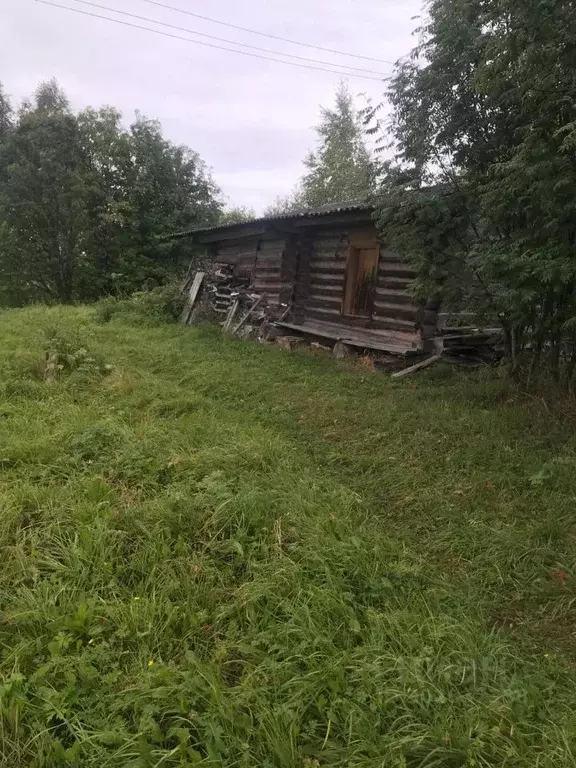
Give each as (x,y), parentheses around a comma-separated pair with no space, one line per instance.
(224,40)
(264,34)
(207,45)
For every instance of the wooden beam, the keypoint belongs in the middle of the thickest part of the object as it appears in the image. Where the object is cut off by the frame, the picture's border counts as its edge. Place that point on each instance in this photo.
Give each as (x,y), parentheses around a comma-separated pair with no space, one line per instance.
(188,277)
(284,314)
(192,296)
(247,315)
(417,367)
(230,316)
(239,231)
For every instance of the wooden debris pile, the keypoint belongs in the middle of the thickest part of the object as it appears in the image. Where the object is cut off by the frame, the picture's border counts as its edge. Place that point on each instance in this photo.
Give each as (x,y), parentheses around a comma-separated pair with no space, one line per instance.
(222,295)
(218,295)
(462,342)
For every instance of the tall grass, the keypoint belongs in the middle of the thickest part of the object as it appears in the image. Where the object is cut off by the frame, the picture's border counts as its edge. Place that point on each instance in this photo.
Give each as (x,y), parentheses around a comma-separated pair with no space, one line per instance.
(215,553)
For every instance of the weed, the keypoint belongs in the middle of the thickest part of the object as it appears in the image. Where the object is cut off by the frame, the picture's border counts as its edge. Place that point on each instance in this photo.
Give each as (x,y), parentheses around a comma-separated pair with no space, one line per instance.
(221,554)
(163,304)
(67,354)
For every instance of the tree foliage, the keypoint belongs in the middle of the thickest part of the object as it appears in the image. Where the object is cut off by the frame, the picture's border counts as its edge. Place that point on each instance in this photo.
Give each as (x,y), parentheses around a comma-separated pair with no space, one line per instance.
(340,167)
(285,205)
(5,114)
(482,192)
(236,215)
(83,201)
(43,200)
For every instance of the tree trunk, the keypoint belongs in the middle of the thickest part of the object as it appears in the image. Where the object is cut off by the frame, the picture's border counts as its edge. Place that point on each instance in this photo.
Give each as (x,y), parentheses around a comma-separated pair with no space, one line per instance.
(535,362)
(514,364)
(555,358)
(571,368)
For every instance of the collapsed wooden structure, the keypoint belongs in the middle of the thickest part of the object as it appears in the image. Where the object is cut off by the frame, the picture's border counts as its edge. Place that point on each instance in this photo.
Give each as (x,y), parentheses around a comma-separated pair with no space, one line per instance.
(323,273)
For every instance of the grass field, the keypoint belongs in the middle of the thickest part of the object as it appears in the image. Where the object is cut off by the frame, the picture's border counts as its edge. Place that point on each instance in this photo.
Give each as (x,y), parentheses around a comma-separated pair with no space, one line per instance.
(215,553)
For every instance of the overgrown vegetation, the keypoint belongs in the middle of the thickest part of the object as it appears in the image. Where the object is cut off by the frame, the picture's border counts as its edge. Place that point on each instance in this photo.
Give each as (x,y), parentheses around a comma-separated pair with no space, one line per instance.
(163,304)
(214,553)
(482,192)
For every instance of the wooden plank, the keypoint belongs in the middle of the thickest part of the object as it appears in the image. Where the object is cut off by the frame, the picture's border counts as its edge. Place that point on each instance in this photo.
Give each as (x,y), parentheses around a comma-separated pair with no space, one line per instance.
(188,278)
(387,257)
(322,251)
(356,331)
(361,339)
(326,251)
(268,268)
(240,232)
(273,245)
(267,259)
(395,323)
(230,316)
(320,300)
(262,285)
(328,241)
(247,315)
(284,314)
(328,290)
(288,269)
(327,264)
(267,274)
(397,268)
(384,281)
(274,254)
(397,295)
(329,281)
(337,320)
(417,367)
(324,311)
(334,271)
(364,238)
(267,283)
(192,296)
(237,253)
(407,312)
(397,306)
(302,277)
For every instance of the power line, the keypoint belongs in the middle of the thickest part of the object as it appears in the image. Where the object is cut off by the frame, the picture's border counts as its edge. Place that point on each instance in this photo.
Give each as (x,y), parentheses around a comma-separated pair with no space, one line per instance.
(206,45)
(224,40)
(264,34)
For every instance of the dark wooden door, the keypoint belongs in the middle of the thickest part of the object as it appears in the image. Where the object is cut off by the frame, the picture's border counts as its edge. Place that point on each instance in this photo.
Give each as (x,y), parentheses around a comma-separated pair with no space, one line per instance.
(361,276)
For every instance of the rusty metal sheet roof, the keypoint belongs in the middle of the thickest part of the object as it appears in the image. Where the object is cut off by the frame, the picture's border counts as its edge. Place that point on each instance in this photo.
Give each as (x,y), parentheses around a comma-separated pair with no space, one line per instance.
(322,210)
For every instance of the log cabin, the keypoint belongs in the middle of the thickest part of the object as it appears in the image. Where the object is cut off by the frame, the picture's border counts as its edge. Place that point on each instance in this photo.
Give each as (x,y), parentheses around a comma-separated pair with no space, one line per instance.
(329,275)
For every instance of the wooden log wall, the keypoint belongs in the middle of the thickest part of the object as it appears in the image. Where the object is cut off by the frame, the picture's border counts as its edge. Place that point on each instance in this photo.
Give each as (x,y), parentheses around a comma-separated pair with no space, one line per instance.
(302,280)
(267,278)
(394,308)
(240,255)
(289,270)
(308,270)
(268,264)
(321,280)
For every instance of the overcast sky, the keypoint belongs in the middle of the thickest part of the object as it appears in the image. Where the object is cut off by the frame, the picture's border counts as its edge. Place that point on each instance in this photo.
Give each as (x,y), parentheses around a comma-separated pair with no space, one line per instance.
(251,120)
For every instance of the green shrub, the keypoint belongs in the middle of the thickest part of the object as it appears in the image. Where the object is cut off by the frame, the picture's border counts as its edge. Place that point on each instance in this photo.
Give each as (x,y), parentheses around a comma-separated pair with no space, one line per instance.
(105,309)
(160,305)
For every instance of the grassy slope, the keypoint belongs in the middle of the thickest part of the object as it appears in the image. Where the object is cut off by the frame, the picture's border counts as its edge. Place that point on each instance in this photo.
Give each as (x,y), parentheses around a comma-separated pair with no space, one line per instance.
(222,554)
